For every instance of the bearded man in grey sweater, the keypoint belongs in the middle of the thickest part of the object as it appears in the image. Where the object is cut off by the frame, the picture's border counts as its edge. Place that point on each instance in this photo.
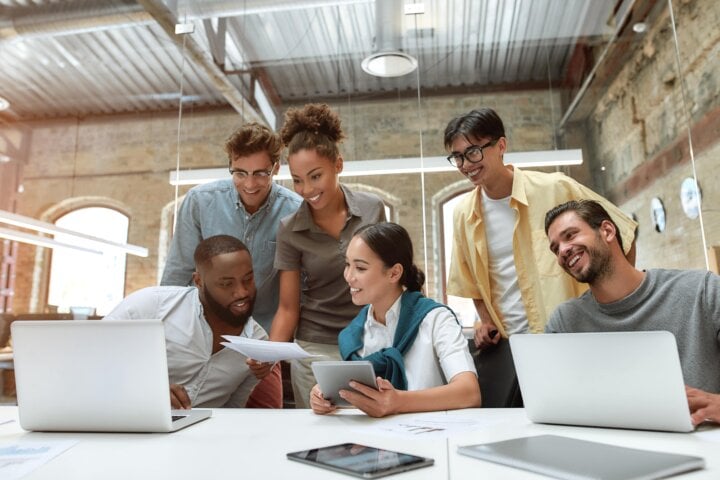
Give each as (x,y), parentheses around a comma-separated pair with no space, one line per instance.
(686,303)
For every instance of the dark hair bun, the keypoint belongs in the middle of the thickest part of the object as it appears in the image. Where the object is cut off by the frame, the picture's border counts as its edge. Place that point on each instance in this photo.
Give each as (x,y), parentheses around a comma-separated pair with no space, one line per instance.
(414,279)
(314,118)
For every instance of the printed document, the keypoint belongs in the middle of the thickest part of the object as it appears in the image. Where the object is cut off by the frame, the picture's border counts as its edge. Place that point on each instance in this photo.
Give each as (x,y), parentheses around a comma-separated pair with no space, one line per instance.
(265,350)
(20,458)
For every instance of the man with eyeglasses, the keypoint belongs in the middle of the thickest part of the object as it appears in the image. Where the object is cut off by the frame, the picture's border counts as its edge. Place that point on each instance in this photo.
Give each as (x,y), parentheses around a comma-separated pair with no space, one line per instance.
(500,257)
(249,206)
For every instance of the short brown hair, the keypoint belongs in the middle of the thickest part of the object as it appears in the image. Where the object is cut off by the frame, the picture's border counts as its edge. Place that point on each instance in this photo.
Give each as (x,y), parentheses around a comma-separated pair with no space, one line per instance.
(313,127)
(253,138)
(589,211)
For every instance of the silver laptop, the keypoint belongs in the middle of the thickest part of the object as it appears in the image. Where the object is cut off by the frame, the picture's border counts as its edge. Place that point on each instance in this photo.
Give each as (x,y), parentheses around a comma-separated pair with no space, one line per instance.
(613,379)
(94,375)
(573,459)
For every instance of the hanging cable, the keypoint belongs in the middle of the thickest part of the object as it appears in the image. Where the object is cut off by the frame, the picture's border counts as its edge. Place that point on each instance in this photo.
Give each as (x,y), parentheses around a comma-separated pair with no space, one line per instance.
(686,111)
(180,112)
(422,156)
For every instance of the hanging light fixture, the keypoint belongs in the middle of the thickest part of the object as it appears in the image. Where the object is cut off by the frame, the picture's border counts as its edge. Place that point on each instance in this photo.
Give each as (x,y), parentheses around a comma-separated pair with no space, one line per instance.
(37,240)
(388,60)
(97,244)
(395,166)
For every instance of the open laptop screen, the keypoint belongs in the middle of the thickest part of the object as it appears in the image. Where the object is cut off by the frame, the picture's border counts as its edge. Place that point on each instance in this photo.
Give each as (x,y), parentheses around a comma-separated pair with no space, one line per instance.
(612,379)
(92,375)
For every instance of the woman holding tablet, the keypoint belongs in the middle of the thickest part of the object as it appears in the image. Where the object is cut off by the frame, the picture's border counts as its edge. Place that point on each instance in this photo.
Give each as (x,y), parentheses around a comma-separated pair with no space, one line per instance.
(311,243)
(415,344)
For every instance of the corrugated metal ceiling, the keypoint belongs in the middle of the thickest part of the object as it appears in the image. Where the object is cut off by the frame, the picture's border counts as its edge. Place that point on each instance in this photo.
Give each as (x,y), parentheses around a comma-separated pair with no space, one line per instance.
(97,57)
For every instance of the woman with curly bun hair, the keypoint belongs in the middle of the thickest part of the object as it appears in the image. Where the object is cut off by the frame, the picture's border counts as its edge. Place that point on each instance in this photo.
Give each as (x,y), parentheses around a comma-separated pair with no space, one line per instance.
(415,344)
(311,243)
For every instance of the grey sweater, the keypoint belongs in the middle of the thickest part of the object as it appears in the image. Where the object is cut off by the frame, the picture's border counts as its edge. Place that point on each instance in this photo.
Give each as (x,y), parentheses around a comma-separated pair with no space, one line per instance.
(684,302)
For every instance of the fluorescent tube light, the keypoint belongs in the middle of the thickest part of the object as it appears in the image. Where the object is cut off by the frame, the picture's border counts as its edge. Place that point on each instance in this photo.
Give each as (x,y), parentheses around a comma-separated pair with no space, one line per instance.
(23,237)
(22,221)
(394,166)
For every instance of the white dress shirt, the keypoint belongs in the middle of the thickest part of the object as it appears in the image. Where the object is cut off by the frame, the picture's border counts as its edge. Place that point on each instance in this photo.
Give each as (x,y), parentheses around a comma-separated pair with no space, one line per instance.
(211,380)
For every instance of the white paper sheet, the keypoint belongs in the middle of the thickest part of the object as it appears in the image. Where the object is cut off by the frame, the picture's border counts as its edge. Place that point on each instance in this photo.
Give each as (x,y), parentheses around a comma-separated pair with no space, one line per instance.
(265,350)
(20,458)
(428,425)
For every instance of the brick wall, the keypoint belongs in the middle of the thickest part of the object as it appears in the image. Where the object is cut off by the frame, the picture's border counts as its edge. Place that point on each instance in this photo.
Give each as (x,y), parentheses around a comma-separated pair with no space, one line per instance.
(638,131)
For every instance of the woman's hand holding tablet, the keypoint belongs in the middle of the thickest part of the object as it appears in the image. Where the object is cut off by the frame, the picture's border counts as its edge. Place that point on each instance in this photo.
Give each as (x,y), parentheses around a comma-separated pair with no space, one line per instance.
(333,376)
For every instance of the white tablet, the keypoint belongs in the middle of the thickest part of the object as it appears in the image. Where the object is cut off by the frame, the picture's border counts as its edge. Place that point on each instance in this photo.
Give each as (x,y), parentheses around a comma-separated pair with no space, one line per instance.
(333,376)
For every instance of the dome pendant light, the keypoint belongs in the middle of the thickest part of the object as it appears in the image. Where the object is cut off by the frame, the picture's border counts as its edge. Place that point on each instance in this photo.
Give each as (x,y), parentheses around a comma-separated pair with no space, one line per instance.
(388,60)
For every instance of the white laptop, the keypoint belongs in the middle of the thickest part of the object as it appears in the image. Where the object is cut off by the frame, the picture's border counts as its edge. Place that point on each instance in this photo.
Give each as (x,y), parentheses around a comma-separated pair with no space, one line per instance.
(613,379)
(95,376)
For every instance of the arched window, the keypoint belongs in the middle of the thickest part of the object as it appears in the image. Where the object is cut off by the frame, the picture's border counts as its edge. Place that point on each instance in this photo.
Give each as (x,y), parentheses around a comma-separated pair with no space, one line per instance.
(463,307)
(79,279)
(390,201)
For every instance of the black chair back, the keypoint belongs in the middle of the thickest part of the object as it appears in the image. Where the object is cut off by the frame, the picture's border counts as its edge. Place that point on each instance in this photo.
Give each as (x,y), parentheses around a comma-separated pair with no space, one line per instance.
(496,375)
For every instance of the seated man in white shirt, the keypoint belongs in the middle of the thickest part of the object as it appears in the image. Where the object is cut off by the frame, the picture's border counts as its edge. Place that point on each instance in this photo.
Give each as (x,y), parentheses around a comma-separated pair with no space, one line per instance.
(202,372)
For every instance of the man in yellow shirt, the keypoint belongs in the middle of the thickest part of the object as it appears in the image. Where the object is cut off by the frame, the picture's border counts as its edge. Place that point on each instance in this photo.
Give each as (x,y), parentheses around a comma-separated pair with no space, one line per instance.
(501,257)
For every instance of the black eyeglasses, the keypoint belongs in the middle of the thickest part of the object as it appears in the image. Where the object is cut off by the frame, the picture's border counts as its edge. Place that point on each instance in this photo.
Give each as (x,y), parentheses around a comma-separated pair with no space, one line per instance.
(242,175)
(473,154)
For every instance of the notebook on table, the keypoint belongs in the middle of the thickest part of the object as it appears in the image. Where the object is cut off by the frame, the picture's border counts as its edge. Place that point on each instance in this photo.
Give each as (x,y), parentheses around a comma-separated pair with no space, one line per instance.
(95,376)
(572,459)
(611,379)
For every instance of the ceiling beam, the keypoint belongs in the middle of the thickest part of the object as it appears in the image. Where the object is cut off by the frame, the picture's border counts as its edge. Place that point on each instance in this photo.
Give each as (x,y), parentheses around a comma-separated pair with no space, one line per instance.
(202,59)
(216,39)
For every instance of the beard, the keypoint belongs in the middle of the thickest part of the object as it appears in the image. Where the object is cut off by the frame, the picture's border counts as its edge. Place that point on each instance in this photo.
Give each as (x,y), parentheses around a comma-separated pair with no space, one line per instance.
(225,313)
(599,266)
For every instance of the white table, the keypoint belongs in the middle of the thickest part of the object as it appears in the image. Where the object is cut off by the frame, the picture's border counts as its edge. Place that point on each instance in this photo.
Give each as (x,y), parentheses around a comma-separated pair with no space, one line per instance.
(251,444)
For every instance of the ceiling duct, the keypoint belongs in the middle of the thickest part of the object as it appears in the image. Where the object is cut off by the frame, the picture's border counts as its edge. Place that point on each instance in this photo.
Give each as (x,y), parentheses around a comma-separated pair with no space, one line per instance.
(388,59)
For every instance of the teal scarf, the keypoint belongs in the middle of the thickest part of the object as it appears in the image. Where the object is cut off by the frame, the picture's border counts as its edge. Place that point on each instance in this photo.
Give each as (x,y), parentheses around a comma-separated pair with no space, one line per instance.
(388,362)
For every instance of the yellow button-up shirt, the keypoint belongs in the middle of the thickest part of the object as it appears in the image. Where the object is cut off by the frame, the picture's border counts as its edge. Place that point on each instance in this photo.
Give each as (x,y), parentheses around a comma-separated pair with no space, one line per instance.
(543,283)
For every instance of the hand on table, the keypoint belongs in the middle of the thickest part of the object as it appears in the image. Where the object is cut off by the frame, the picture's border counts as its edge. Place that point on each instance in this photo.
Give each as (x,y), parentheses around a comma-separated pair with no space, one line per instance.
(703,405)
(179,399)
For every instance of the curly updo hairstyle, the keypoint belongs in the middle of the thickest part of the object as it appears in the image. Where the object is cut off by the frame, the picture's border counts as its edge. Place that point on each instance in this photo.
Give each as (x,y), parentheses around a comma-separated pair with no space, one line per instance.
(313,127)
(391,242)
